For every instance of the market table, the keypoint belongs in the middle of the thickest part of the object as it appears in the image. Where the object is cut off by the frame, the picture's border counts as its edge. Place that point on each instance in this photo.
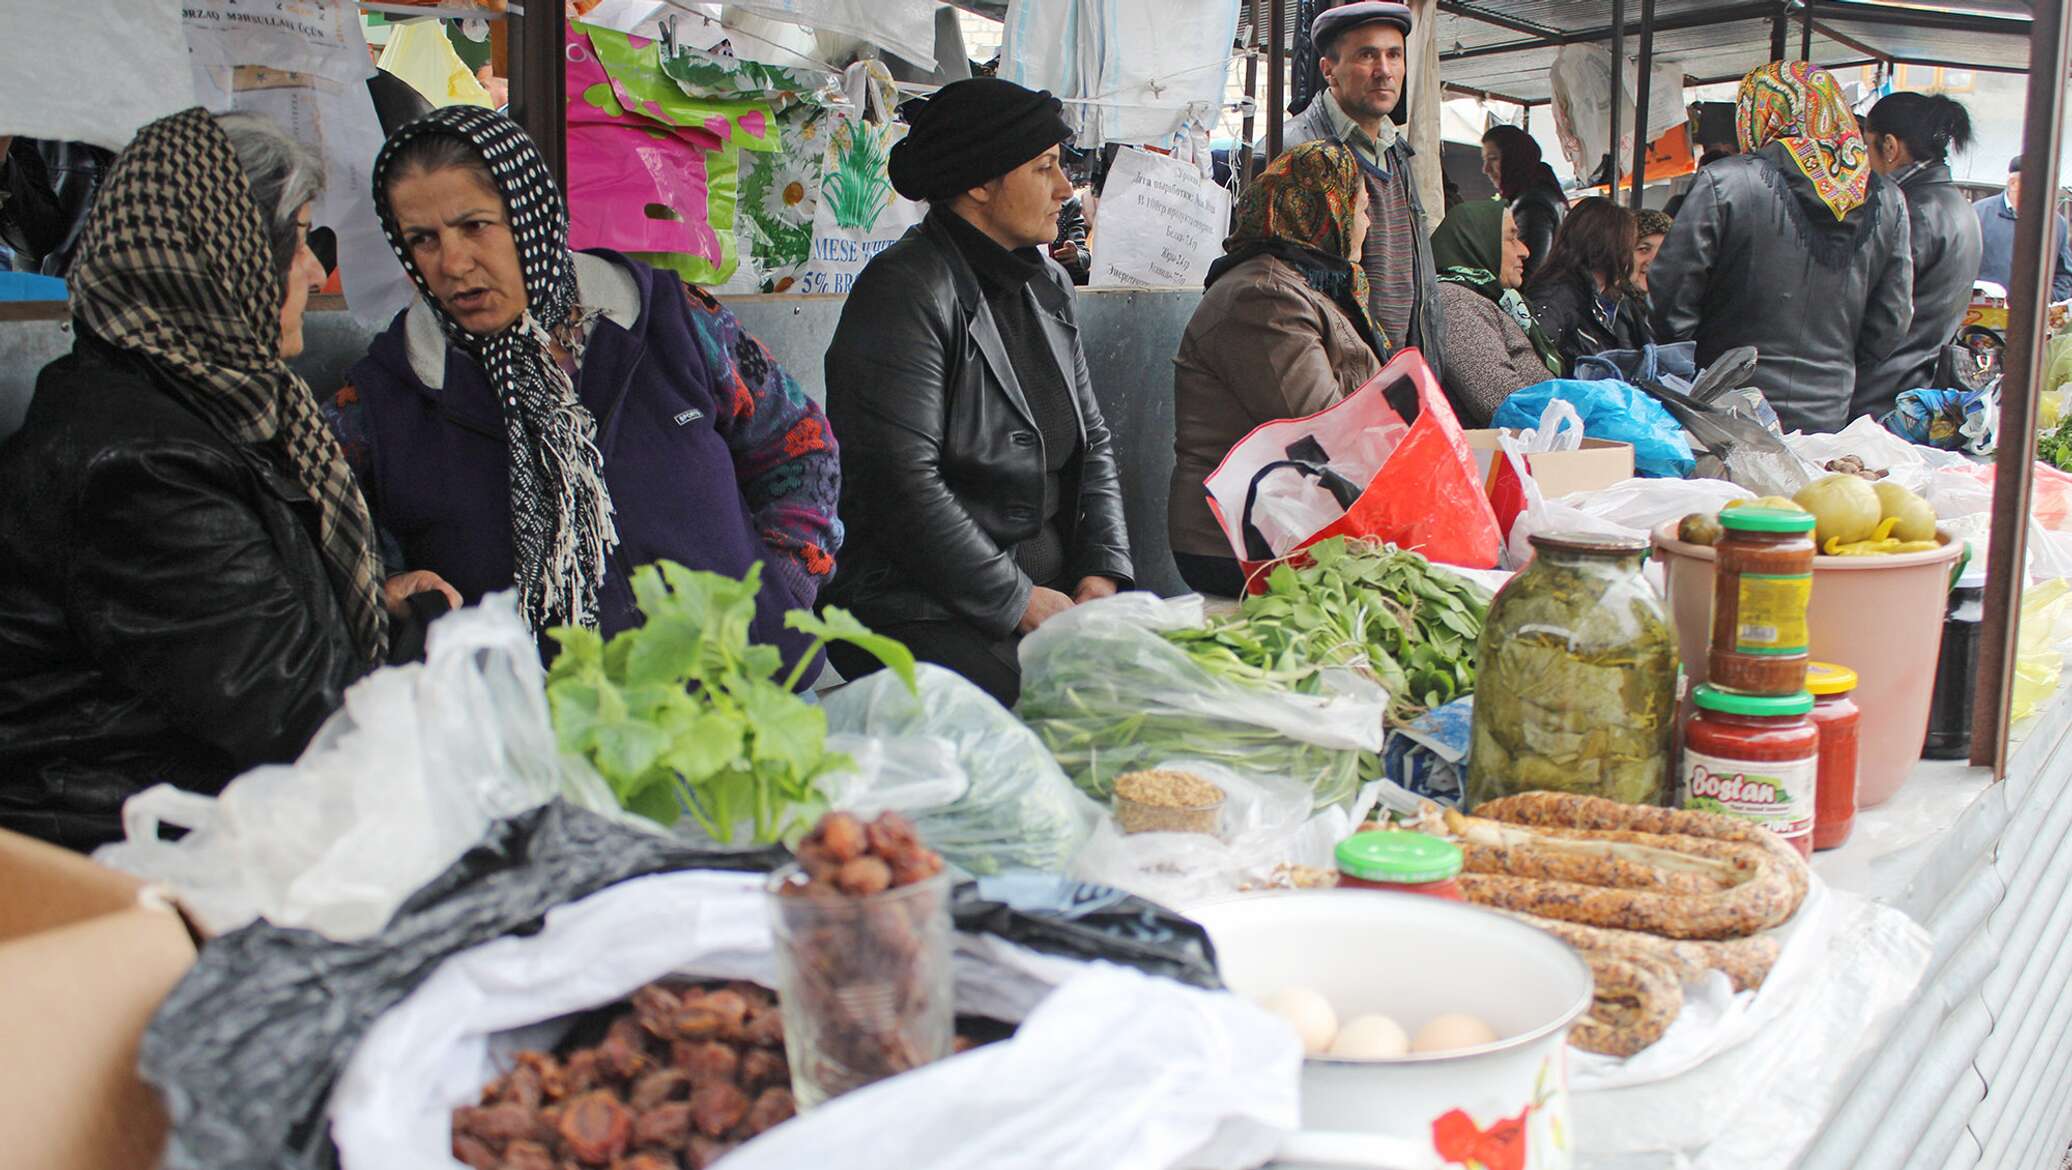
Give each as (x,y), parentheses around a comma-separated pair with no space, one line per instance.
(1967,1063)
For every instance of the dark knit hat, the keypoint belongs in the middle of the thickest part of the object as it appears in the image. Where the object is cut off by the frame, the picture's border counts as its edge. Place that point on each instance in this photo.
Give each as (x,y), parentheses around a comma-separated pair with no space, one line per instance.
(973,131)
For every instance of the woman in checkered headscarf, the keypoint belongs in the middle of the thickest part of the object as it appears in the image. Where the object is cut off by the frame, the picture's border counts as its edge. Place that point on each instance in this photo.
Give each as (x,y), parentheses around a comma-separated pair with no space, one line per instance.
(188,575)
(548,420)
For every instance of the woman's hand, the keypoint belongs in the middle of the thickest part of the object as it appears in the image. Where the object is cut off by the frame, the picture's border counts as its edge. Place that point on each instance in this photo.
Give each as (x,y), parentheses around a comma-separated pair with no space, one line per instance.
(1091,589)
(1044,604)
(397,590)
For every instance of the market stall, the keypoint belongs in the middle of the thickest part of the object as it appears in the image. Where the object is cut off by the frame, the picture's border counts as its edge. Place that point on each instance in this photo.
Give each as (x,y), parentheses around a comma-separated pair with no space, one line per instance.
(1555,797)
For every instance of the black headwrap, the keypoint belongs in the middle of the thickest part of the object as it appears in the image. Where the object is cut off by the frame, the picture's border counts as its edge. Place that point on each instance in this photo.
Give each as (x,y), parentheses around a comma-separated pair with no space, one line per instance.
(973,131)
(561,512)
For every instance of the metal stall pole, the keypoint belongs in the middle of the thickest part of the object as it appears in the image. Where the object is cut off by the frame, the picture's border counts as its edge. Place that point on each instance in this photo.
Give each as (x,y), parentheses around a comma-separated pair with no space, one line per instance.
(1640,105)
(1276,76)
(2028,304)
(1806,37)
(1618,72)
(1780,26)
(541,102)
(1244,146)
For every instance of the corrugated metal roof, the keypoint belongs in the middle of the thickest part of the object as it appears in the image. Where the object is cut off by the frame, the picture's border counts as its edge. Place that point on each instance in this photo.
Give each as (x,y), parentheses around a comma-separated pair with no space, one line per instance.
(1480,54)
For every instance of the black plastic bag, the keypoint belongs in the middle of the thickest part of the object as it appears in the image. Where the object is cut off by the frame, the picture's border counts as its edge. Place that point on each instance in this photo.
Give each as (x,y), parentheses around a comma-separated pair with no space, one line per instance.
(246,1049)
(1058,916)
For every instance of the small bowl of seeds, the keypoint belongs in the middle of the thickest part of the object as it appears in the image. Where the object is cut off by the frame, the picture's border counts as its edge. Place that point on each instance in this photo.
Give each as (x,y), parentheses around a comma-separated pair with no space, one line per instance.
(1165,800)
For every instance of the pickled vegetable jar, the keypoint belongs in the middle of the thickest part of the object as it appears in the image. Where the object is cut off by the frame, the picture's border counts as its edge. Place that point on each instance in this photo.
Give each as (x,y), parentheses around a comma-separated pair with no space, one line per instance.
(1756,757)
(1836,717)
(1760,589)
(1408,863)
(1575,684)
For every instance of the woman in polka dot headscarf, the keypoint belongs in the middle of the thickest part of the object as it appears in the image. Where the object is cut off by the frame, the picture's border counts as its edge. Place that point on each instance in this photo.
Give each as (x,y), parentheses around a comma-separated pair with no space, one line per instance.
(547,420)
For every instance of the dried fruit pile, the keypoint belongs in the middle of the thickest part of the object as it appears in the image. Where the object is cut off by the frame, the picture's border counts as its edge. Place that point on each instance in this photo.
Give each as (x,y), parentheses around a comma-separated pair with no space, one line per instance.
(680,1079)
(864,930)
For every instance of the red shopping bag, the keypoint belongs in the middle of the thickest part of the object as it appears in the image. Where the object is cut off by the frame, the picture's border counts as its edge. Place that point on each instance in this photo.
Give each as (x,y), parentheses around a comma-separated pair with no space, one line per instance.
(1423,492)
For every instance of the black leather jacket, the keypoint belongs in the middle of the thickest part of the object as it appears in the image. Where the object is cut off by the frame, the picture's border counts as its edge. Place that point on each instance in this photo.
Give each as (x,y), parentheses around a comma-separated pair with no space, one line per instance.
(1538,212)
(1756,259)
(1567,310)
(46,189)
(942,464)
(1944,235)
(165,615)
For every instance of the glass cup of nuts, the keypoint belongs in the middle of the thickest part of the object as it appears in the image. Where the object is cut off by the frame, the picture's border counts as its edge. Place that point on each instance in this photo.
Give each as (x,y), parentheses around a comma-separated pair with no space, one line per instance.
(862,926)
(1165,800)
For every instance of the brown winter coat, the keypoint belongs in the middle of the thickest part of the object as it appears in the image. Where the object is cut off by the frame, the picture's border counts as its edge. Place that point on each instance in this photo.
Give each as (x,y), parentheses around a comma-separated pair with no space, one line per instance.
(1263,345)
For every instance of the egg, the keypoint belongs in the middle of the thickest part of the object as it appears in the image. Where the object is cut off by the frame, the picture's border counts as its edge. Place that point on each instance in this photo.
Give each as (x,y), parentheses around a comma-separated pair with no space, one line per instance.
(1452,1031)
(1308,1013)
(1371,1038)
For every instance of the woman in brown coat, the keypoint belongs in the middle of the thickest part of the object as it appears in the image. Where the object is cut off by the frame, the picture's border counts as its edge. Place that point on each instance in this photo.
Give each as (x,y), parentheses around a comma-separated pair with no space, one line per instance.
(1282,333)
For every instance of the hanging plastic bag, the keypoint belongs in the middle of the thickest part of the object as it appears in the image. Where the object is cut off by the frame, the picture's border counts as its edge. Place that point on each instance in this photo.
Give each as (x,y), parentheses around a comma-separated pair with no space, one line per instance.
(1109,694)
(858,214)
(1015,809)
(406,777)
(2039,664)
(1610,410)
(1423,490)
(419,53)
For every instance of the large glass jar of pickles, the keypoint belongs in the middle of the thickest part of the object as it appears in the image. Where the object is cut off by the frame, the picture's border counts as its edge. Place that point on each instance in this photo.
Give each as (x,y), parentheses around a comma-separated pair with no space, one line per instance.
(1575,680)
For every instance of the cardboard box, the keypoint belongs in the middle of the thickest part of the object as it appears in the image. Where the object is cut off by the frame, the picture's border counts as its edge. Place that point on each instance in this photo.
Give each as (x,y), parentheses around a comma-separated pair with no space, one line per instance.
(86,956)
(1599,464)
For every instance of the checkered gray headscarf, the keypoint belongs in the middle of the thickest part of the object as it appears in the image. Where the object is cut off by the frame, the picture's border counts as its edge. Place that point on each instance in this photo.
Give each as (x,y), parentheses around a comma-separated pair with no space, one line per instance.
(561,511)
(175,265)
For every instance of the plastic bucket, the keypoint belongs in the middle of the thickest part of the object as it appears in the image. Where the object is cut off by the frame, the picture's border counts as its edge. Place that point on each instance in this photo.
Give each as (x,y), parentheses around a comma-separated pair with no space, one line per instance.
(1880,616)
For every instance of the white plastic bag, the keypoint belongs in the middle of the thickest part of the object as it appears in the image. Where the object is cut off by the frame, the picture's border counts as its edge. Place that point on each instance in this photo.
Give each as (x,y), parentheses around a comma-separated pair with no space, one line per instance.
(1177,1075)
(1015,809)
(1291,508)
(393,788)
(1261,827)
(1630,508)
(1910,465)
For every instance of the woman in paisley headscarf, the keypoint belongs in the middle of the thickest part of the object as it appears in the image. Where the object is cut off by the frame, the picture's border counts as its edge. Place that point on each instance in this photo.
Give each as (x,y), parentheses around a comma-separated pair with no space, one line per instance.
(1796,247)
(1282,333)
(1494,346)
(188,578)
(548,420)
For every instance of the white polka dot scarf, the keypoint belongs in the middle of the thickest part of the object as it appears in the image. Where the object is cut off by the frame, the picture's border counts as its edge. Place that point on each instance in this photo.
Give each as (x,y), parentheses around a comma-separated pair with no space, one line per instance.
(561,511)
(175,264)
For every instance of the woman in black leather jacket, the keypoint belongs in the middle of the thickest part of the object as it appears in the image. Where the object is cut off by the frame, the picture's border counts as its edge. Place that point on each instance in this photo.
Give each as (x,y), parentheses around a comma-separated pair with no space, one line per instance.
(1511,161)
(1910,136)
(188,576)
(980,496)
(1583,296)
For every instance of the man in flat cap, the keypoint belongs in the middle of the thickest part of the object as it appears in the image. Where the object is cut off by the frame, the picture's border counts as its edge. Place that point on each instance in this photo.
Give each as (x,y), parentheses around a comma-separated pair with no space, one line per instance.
(1362,50)
(979,490)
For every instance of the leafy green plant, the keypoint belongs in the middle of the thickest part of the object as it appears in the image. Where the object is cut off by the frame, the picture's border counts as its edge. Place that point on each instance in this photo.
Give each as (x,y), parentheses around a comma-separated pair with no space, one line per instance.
(857,189)
(684,715)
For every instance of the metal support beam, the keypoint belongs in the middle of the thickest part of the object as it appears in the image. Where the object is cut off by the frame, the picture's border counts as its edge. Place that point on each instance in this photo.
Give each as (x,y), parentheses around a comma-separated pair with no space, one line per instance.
(2028,305)
(1780,28)
(1806,37)
(540,102)
(1276,75)
(1705,18)
(1618,72)
(1842,39)
(1894,16)
(1244,145)
(1642,82)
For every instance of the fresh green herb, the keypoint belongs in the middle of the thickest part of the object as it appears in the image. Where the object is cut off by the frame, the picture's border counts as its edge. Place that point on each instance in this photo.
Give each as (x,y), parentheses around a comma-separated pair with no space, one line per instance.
(2055,447)
(683,715)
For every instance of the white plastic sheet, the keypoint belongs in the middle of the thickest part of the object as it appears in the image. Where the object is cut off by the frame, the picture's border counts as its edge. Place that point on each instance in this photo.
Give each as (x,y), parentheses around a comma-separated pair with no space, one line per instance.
(392,789)
(906,27)
(139,69)
(1174,1075)
(1630,508)
(1910,465)
(1582,85)
(1127,72)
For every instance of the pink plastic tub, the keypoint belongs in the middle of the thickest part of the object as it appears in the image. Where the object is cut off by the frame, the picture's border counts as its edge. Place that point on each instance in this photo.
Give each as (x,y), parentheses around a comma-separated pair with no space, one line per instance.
(1879,616)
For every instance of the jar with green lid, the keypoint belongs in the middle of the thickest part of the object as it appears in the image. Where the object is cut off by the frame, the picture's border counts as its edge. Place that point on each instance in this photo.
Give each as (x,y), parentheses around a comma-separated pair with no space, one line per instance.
(1762,581)
(1756,757)
(1575,680)
(1408,863)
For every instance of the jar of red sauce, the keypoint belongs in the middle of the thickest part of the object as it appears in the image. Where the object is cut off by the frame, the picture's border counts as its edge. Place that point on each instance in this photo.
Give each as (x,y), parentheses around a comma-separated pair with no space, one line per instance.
(1408,863)
(1835,716)
(1755,757)
(1761,584)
